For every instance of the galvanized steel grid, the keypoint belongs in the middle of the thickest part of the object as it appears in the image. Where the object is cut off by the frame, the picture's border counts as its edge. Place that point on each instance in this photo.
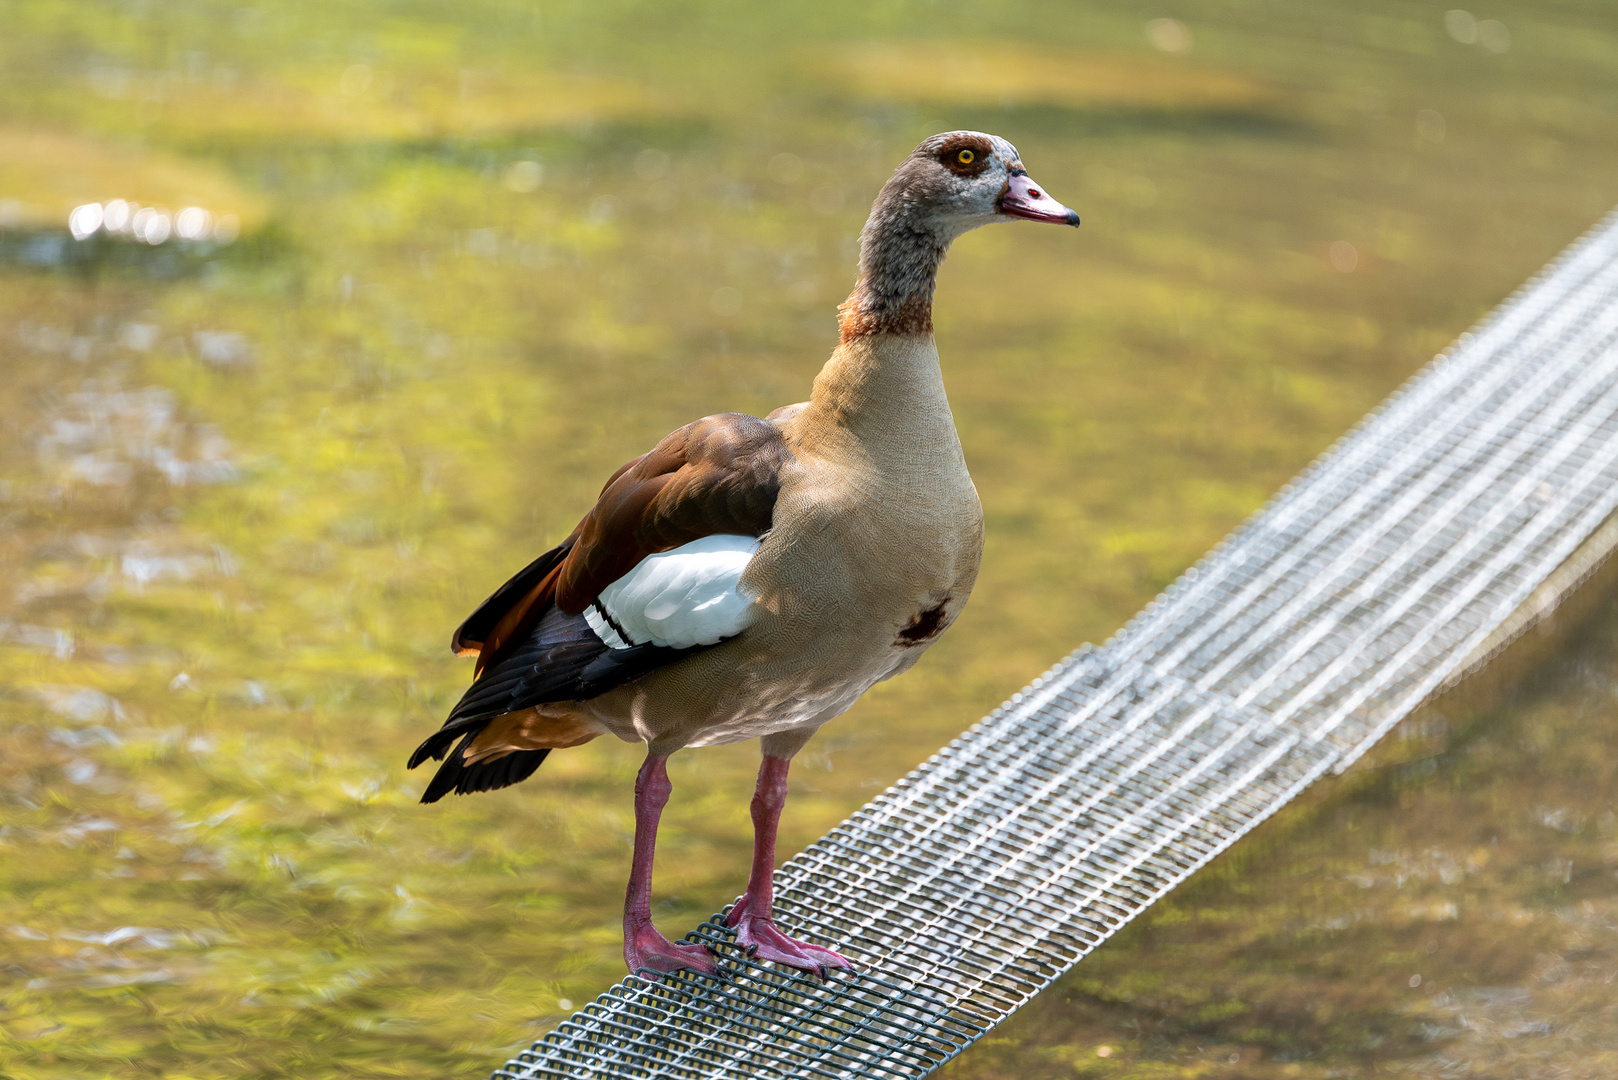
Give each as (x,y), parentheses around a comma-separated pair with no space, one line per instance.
(992,869)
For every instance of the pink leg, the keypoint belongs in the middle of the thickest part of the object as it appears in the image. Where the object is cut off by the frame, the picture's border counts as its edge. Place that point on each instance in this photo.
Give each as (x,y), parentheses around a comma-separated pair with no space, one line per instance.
(644,947)
(752,915)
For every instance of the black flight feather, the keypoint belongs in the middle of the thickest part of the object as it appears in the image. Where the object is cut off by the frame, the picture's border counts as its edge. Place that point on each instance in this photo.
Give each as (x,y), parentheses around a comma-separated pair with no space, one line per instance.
(561,659)
(487,775)
(476,629)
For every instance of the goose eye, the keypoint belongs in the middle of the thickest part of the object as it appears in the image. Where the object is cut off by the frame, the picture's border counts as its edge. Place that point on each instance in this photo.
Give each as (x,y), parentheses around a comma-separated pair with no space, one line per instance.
(966,157)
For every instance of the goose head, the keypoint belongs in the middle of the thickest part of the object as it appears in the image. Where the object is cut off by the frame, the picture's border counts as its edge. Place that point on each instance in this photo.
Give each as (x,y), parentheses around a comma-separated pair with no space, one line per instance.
(948,185)
(959,180)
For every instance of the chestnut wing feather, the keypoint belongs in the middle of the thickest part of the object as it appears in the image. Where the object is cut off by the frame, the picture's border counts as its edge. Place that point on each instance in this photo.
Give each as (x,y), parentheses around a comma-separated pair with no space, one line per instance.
(720,474)
(524,588)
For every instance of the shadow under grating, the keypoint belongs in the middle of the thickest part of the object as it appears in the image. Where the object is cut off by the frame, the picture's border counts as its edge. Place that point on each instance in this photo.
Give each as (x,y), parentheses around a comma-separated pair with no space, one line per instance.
(1377,575)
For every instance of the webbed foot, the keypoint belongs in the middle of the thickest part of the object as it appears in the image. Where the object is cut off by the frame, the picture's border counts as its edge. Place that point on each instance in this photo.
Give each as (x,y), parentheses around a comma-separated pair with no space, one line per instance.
(646,948)
(765,941)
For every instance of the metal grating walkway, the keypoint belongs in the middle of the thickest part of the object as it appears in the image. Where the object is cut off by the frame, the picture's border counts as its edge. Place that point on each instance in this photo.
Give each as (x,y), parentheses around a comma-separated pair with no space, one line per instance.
(1002,861)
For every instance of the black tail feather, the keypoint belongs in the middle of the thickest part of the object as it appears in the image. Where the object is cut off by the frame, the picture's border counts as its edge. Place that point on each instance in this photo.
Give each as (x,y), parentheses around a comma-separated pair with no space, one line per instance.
(560,659)
(487,775)
(437,744)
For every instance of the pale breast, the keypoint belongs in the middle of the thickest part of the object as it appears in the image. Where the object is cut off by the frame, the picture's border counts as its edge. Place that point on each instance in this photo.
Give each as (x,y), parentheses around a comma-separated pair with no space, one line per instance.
(876,559)
(873,548)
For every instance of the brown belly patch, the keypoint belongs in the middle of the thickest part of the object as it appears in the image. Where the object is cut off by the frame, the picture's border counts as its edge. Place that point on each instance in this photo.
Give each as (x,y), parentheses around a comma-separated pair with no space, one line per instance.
(925,626)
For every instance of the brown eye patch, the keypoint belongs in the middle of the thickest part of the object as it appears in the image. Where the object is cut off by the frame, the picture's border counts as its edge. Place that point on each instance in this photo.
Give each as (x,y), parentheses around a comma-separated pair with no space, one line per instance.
(966,156)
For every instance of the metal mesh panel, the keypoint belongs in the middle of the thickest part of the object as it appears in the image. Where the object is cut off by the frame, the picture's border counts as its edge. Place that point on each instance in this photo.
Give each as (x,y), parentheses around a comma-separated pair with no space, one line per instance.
(1021,846)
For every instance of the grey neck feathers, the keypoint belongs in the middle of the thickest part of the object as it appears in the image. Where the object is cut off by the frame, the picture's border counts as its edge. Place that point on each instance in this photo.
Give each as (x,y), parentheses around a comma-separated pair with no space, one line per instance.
(901,249)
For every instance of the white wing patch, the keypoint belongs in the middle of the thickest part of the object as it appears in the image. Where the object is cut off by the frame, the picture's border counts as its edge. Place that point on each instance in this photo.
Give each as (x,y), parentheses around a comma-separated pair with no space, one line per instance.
(688,596)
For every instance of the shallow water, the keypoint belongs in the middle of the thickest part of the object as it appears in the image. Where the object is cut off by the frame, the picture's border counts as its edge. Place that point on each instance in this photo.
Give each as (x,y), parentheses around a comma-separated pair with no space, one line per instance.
(248,485)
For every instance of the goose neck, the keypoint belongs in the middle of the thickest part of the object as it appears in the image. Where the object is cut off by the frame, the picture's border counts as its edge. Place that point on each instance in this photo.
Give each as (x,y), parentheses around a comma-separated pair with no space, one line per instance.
(900,253)
(881,387)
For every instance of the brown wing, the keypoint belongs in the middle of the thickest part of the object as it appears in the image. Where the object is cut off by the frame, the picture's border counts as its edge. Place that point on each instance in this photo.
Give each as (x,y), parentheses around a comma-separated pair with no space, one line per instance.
(720,474)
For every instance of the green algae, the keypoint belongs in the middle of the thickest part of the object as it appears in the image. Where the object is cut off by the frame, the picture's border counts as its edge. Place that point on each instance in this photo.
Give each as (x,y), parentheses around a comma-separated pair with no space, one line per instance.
(211,860)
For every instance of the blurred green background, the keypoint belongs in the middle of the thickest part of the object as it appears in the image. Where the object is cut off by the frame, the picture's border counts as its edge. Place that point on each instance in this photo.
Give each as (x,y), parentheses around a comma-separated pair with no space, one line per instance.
(450,264)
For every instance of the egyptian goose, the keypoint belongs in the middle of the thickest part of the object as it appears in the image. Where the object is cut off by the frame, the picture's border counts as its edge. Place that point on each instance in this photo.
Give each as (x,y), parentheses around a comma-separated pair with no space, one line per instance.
(751,578)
